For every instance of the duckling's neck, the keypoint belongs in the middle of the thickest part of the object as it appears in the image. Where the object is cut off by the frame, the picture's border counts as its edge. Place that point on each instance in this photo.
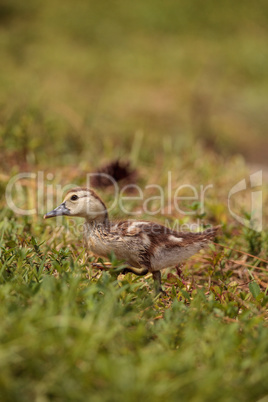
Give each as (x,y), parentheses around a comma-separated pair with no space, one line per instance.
(102,219)
(97,227)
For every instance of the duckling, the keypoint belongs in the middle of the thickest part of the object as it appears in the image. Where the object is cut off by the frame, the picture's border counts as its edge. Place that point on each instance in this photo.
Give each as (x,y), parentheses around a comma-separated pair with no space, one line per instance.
(145,246)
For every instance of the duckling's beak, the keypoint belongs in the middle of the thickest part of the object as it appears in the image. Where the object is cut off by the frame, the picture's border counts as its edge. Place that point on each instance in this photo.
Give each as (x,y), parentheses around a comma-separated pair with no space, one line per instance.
(60,210)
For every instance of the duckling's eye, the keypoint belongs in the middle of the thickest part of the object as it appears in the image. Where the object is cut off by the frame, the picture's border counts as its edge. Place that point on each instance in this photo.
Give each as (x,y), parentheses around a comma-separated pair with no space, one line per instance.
(74,197)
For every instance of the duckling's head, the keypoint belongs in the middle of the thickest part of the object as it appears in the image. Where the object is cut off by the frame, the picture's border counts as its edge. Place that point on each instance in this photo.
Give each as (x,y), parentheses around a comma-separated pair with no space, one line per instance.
(82,202)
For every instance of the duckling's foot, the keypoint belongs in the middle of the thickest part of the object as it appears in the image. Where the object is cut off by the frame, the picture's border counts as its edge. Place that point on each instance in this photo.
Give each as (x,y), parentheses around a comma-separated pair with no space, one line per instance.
(160,291)
(100,266)
(136,271)
(163,292)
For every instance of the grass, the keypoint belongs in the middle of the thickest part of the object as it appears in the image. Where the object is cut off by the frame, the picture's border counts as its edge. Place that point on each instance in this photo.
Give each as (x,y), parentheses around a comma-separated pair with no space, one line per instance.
(71,332)
(67,334)
(176,92)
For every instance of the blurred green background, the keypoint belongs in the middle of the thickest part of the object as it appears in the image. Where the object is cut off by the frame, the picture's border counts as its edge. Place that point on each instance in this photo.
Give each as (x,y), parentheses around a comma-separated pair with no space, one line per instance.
(87,80)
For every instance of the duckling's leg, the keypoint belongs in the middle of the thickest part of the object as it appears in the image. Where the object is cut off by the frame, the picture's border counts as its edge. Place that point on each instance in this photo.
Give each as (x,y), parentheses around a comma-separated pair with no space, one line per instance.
(137,271)
(157,282)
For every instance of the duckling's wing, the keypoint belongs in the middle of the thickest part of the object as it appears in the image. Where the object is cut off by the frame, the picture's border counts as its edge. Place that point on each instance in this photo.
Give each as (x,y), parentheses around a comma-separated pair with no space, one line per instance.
(161,235)
(155,246)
